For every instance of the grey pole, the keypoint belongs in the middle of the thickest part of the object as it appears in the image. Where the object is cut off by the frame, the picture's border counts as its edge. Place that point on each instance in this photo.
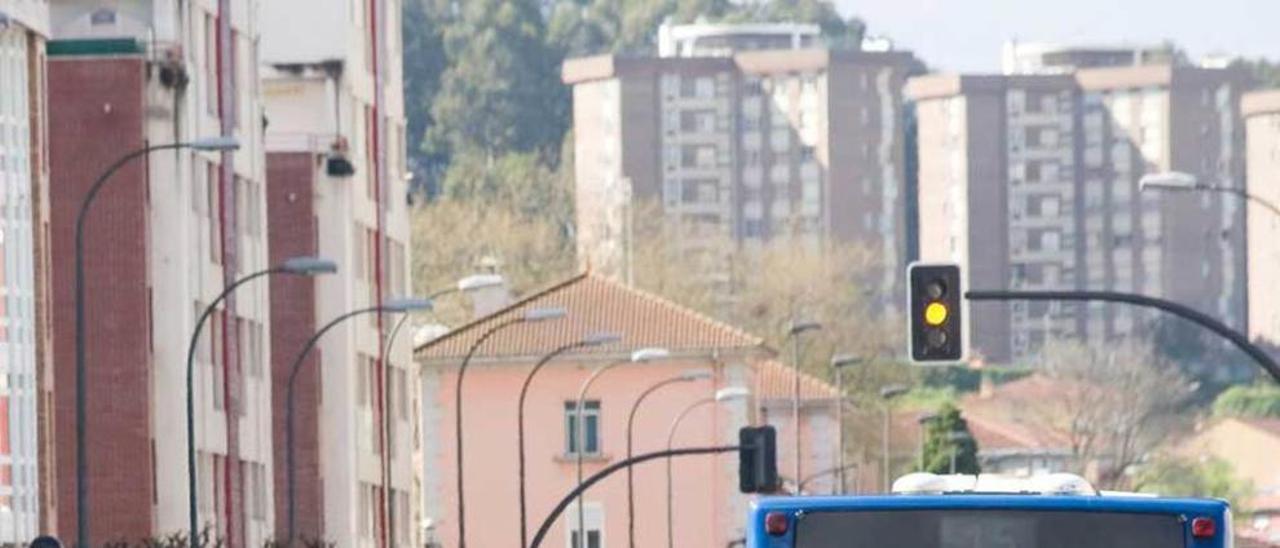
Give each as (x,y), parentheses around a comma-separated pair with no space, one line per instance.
(671,435)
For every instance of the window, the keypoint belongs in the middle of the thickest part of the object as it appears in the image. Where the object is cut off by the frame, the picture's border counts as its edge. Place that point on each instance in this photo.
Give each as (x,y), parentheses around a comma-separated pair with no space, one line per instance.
(1032,172)
(371,174)
(401,394)
(591,427)
(366,517)
(215,214)
(593,525)
(211,63)
(215,334)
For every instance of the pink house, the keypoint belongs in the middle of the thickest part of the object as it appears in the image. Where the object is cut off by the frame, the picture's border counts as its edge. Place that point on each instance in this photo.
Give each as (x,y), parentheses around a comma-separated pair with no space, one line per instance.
(708,511)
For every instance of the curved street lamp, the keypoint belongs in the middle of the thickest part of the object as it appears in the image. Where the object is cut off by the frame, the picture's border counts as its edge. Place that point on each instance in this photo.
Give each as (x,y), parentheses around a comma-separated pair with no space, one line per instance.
(793,333)
(638,356)
(1186,182)
(82,456)
(888,393)
(399,305)
(470,283)
(686,376)
(531,315)
(594,339)
(839,362)
(298,266)
(732,393)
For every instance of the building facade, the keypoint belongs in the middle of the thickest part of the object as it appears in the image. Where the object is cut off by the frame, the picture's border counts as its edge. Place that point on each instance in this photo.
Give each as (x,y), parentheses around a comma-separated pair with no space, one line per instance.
(1031,182)
(805,144)
(707,508)
(25,340)
(163,239)
(332,88)
(1262,130)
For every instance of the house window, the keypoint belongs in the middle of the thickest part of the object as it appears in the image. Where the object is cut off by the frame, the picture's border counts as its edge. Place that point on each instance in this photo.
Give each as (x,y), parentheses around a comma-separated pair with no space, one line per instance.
(593,526)
(591,427)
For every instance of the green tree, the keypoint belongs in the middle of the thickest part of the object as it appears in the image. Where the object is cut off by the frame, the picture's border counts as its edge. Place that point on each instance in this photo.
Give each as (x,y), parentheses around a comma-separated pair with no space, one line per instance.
(1248,401)
(1180,477)
(501,91)
(424,63)
(948,436)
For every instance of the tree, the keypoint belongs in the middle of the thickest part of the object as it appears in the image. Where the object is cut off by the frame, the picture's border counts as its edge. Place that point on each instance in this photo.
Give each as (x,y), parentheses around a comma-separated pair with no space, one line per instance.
(1180,477)
(502,91)
(948,437)
(424,63)
(1115,402)
(1250,401)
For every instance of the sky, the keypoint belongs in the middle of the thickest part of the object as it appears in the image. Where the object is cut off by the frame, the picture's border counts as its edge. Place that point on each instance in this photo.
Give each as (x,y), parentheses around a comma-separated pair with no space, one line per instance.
(966,35)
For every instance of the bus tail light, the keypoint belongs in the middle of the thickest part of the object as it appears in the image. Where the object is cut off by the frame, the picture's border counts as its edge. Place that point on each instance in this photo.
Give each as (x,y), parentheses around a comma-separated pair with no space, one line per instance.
(1203,528)
(775,523)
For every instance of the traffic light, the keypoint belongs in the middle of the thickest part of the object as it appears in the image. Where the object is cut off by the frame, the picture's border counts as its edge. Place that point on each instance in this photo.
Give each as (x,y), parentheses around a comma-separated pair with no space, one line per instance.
(757,459)
(935,305)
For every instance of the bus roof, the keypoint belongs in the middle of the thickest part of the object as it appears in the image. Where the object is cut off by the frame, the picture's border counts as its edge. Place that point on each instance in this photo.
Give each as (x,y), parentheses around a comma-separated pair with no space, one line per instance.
(1111,503)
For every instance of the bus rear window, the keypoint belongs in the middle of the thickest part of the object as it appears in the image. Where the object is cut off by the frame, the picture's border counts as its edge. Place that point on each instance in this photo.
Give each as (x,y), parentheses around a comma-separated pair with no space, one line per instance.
(987,529)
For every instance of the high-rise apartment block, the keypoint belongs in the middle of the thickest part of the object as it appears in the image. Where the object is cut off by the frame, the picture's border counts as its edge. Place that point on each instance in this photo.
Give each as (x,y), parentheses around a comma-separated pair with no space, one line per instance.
(1262,131)
(24,268)
(166,234)
(333,95)
(742,146)
(1030,181)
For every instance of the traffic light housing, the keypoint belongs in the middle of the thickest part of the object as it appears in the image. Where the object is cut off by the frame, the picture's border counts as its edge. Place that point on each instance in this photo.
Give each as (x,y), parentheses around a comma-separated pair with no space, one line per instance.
(935,305)
(757,459)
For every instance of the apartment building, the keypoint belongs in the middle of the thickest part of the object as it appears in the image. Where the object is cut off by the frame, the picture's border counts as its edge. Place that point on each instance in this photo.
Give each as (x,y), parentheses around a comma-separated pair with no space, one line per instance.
(24,221)
(724,39)
(165,235)
(1030,181)
(1262,132)
(748,147)
(332,87)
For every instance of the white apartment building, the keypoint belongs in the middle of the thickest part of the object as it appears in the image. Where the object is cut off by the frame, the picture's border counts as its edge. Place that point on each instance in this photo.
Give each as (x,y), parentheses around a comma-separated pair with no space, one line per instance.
(165,236)
(24,213)
(336,157)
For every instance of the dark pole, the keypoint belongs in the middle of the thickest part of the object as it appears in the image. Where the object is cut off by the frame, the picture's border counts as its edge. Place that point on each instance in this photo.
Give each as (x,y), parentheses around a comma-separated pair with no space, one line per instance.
(192,499)
(1242,342)
(524,391)
(631,494)
(457,399)
(630,461)
(82,456)
(293,374)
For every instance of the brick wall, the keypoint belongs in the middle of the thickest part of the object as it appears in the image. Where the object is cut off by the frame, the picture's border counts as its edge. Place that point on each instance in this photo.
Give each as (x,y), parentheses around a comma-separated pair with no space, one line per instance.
(291,233)
(96,115)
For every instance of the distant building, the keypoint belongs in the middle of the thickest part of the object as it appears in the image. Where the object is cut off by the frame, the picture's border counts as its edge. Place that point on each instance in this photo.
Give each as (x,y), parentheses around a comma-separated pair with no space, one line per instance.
(1250,446)
(708,508)
(164,238)
(1262,131)
(803,143)
(1009,440)
(1031,182)
(1048,58)
(24,272)
(335,164)
(725,39)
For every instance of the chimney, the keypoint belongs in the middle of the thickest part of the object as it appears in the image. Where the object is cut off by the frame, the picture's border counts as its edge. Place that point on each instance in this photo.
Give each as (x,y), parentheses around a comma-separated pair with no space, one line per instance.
(489,299)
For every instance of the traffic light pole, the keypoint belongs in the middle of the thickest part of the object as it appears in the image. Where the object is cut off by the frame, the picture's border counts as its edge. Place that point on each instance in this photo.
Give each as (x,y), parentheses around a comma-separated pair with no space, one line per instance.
(627,463)
(1237,338)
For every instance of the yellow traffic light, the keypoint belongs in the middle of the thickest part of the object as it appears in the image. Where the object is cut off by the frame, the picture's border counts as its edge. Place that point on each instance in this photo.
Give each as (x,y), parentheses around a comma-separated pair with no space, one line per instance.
(935,314)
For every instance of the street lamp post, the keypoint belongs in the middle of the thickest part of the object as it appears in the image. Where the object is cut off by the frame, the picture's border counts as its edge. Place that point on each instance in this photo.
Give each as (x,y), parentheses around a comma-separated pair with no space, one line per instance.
(638,356)
(300,266)
(797,328)
(531,315)
(888,393)
(839,362)
(687,376)
(722,395)
(469,283)
(400,305)
(594,339)
(1186,182)
(82,456)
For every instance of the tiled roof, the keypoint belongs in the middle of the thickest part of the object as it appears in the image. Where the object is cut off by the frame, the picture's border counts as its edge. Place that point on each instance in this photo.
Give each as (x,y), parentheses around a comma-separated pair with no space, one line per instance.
(1271,426)
(993,434)
(776,381)
(1000,420)
(594,304)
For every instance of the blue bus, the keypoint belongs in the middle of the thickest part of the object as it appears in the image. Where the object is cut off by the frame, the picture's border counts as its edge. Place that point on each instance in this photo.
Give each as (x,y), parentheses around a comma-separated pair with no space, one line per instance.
(934,513)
